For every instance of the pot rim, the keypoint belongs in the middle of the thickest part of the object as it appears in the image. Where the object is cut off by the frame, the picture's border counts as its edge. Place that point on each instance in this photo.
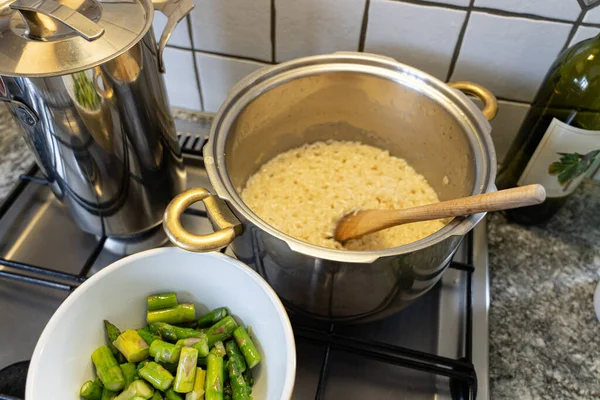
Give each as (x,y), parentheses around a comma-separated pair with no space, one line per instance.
(466,113)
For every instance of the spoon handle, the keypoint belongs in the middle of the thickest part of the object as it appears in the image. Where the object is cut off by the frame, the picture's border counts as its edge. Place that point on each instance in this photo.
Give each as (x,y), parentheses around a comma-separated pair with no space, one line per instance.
(368,221)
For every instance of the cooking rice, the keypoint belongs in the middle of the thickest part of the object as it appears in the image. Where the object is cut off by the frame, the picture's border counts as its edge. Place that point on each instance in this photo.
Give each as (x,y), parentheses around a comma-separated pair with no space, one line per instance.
(305,191)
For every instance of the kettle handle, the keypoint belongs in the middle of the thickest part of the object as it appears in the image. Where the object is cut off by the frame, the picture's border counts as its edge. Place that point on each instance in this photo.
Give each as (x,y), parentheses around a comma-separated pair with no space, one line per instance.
(175,11)
(226,225)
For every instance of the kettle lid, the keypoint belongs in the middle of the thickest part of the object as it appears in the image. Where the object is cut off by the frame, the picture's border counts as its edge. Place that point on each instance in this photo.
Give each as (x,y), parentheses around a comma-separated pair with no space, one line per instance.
(56,37)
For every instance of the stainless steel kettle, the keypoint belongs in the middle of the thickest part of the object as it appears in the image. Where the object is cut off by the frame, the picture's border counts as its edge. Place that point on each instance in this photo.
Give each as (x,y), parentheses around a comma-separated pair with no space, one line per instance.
(83,80)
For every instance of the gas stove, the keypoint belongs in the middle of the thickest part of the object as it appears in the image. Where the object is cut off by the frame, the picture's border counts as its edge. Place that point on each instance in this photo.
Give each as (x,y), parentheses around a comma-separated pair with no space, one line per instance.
(437,348)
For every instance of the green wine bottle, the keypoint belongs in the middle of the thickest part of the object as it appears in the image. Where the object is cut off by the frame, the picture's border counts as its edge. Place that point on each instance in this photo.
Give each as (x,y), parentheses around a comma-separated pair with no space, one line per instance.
(559,140)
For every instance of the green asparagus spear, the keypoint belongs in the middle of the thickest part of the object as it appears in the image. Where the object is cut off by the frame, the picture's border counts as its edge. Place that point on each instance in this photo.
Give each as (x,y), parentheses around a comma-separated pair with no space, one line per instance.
(147,335)
(171,367)
(156,396)
(98,382)
(107,369)
(171,332)
(140,366)
(91,391)
(138,398)
(248,377)
(112,333)
(247,347)
(235,356)
(197,392)
(191,324)
(164,352)
(158,376)
(129,373)
(221,331)
(170,394)
(108,394)
(200,343)
(214,378)
(218,349)
(138,388)
(186,370)
(133,347)
(238,384)
(175,315)
(162,300)
(212,317)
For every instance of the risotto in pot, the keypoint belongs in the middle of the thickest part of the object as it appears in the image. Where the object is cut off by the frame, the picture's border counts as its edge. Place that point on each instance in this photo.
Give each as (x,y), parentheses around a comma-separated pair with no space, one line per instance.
(305,191)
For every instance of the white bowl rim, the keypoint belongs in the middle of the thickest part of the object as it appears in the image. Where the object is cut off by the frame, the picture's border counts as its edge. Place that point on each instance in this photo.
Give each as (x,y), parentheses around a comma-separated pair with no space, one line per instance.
(290,375)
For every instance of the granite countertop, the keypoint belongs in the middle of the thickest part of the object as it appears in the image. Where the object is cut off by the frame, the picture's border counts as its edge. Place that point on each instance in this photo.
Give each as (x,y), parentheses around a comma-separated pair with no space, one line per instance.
(544,335)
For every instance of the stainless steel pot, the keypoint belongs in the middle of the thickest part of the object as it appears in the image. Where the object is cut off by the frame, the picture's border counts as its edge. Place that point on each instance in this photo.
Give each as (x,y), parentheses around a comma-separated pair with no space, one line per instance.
(83,80)
(344,96)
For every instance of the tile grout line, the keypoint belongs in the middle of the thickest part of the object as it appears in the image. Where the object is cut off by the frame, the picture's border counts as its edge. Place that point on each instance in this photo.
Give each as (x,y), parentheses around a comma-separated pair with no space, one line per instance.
(487,10)
(363,28)
(273,31)
(225,55)
(459,42)
(573,31)
(194,62)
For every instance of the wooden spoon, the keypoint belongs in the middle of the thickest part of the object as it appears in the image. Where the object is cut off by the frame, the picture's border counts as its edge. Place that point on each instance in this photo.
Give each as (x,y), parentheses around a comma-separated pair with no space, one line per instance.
(362,222)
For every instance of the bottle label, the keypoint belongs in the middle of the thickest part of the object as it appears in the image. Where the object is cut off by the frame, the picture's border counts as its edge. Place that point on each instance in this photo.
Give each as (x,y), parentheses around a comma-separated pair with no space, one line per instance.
(562,158)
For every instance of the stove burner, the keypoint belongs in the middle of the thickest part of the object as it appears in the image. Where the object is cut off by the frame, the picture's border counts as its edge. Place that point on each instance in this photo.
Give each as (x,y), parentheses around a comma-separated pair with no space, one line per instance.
(12,381)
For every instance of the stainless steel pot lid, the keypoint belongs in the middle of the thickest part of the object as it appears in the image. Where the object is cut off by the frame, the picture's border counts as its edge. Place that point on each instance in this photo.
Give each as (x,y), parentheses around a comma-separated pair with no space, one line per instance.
(48,37)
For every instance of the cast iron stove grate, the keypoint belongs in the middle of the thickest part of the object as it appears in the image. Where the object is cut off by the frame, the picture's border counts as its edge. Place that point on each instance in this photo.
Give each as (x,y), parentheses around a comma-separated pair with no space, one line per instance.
(460,372)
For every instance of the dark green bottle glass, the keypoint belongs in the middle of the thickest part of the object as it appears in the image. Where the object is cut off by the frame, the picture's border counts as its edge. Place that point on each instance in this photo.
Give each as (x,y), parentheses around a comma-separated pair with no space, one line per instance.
(559,140)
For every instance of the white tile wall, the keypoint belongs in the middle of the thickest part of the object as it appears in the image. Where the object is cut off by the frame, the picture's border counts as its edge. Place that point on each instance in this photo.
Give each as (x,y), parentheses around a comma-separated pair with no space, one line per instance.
(420,36)
(311,27)
(561,9)
(179,37)
(592,16)
(506,45)
(218,74)
(233,27)
(584,32)
(180,78)
(510,56)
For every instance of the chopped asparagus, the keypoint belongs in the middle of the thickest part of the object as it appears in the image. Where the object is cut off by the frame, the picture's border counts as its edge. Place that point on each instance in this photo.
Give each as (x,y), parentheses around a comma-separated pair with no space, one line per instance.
(221,331)
(174,315)
(212,317)
(214,377)
(108,394)
(171,367)
(148,335)
(107,368)
(138,388)
(191,324)
(156,396)
(140,366)
(129,373)
(164,352)
(219,349)
(91,391)
(158,376)
(170,394)
(162,300)
(200,343)
(197,392)
(247,347)
(133,347)
(98,382)
(112,333)
(171,332)
(186,370)
(238,384)
(235,356)
(248,377)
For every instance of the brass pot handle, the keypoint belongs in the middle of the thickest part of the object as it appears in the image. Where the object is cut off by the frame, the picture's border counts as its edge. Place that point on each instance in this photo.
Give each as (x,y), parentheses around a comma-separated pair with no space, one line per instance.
(226,225)
(490,104)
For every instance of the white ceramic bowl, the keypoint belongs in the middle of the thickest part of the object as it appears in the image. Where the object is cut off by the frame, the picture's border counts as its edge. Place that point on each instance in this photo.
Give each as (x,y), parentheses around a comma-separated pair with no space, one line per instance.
(61,361)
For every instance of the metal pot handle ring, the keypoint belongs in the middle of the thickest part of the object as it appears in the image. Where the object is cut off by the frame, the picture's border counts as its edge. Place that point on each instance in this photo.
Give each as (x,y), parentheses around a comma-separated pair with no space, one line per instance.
(226,225)
(490,104)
